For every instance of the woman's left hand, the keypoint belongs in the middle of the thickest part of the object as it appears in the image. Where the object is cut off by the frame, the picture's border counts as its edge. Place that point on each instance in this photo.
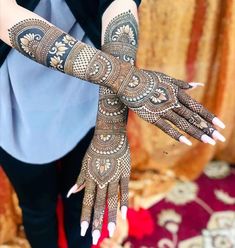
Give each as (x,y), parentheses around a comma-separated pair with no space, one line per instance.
(105,169)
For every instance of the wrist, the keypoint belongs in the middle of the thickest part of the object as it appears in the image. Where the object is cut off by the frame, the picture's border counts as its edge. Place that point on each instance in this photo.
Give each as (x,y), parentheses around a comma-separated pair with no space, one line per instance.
(116,131)
(123,51)
(106,70)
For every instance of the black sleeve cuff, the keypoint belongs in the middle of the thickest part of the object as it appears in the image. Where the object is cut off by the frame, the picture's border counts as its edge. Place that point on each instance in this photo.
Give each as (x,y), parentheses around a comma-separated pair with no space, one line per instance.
(104,4)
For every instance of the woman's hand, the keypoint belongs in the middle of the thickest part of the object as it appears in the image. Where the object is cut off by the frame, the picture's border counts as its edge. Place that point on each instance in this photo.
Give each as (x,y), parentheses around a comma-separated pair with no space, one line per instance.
(158,98)
(105,170)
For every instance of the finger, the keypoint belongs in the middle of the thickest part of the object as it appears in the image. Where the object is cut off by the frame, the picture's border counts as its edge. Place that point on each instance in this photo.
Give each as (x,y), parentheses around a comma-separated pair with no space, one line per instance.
(199,122)
(195,119)
(82,175)
(124,182)
(198,108)
(181,84)
(73,190)
(112,206)
(195,106)
(185,126)
(99,213)
(194,85)
(80,183)
(124,186)
(172,132)
(87,206)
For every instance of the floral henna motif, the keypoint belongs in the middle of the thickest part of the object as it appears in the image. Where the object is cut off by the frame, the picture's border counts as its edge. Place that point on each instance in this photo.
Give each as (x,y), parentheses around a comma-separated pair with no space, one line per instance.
(157,95)
(120,37)
(103,158)
(112,113)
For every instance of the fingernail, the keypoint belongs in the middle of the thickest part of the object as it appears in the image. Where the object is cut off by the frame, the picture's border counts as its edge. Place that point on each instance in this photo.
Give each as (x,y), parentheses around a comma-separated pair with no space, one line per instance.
(195,85)
(111,228)
(207,139)
(84,226)
(184,140)
(124,212)
(218,136)
(216,121)
(95,237)
(72,190)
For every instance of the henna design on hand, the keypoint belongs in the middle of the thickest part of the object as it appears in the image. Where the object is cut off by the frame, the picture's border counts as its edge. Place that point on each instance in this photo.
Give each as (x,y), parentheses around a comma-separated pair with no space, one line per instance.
(107,163)
(158,98)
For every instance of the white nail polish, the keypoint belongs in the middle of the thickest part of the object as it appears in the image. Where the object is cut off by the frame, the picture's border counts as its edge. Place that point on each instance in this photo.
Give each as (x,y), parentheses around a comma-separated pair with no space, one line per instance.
(184,140)
(195,85)
(111,228)
(124,212)
(206,139)
(218,136)
(216,121)
(95,237)
(84,226)
(72,190)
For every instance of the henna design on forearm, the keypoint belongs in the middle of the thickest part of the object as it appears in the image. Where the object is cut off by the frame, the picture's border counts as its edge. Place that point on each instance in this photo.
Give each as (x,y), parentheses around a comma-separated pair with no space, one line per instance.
(120,40)
(149,94)
(121,37)
(53,48)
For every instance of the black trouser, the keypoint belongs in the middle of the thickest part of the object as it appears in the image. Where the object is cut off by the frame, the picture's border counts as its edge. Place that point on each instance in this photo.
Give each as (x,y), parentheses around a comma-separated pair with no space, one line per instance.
(38,187)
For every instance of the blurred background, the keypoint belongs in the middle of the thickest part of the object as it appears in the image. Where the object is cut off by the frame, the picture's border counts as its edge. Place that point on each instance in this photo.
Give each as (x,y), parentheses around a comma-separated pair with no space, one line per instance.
(179,196)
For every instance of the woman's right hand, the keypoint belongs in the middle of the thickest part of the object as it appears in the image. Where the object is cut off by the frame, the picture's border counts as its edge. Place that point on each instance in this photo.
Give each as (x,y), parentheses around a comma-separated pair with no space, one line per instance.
(160,99)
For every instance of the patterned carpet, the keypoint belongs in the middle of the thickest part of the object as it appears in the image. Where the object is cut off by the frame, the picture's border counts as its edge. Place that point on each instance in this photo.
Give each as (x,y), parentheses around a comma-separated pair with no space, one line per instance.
(198,214)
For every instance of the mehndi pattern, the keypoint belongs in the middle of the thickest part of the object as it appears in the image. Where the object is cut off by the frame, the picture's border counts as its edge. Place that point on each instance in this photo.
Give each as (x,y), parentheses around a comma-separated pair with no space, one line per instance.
(154,96)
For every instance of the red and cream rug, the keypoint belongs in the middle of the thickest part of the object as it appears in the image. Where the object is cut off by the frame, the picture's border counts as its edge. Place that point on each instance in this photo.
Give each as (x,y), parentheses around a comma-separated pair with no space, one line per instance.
(199,214)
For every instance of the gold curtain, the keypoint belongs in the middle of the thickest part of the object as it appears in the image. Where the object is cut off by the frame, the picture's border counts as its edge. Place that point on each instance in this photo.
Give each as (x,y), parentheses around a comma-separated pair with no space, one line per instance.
(193,40)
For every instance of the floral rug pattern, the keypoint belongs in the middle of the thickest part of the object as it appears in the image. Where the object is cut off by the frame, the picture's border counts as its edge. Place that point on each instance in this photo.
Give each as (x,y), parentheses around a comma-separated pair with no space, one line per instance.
(199,214)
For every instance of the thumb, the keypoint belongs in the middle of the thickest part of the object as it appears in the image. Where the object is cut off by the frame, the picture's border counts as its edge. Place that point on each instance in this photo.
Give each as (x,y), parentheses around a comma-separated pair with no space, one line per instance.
(80,183)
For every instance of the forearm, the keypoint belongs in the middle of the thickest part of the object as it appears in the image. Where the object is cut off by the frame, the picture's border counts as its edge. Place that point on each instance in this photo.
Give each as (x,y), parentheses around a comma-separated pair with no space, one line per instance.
(48,45)
(119,38)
